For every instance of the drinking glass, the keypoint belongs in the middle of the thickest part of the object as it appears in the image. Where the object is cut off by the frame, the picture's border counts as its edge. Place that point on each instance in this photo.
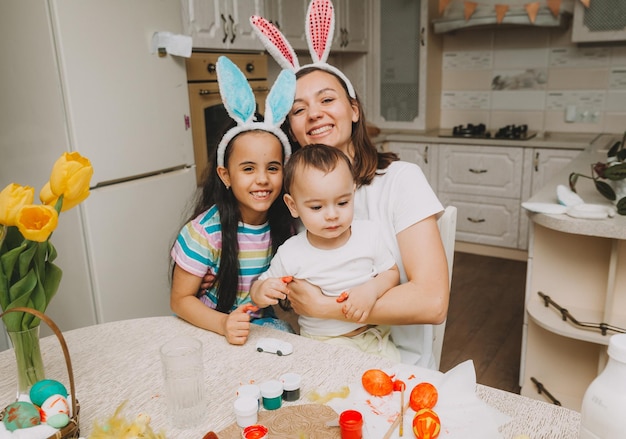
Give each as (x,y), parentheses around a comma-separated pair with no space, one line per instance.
(183,375)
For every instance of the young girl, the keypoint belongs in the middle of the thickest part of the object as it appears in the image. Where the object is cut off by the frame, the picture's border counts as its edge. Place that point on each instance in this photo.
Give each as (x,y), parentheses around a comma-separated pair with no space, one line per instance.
(239,219)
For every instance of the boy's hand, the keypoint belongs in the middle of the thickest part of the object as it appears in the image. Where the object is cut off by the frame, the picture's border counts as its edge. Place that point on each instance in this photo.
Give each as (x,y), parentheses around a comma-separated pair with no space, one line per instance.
(269,291)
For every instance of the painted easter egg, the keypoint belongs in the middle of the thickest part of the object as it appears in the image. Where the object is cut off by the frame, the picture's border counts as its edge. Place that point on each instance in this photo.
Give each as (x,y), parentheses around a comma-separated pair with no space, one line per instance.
(54,405)
(58,421)
(44,389)
(423,396)
(377,382)
(20,414)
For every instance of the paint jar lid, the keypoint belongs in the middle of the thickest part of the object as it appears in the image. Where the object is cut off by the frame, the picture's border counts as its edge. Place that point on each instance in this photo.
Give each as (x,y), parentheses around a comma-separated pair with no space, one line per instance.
(256,431)
(246,406)
(271,389)
(249,390)
(291,381)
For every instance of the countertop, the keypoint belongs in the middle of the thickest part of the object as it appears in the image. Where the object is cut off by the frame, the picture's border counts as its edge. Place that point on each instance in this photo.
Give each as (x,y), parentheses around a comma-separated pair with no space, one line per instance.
(606,228)
(119,361)
(551,140)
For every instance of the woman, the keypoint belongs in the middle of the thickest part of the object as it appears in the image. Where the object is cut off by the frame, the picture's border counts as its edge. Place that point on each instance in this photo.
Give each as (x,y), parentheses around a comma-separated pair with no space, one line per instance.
(393,193)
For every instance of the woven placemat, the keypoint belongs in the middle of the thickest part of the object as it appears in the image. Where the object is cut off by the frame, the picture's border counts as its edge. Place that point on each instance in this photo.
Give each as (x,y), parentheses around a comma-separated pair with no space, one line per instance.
(293,422)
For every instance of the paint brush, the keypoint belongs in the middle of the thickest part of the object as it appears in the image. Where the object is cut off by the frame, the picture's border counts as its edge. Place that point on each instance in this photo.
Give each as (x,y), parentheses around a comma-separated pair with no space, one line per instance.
(401,411)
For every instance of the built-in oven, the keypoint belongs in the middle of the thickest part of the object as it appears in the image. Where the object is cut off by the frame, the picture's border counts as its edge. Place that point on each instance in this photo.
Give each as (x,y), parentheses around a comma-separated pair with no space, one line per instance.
(208,115)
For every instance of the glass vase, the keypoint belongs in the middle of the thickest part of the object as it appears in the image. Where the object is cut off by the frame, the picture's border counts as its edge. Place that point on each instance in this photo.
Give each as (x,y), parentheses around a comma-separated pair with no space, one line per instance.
(28,359)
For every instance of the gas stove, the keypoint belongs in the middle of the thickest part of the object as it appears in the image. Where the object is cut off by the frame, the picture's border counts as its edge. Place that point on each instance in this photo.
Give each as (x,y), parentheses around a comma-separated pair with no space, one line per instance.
(479,131)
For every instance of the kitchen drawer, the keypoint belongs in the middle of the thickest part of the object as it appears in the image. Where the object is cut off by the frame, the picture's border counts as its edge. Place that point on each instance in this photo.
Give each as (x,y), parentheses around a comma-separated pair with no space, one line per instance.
(485,220)
(481,170)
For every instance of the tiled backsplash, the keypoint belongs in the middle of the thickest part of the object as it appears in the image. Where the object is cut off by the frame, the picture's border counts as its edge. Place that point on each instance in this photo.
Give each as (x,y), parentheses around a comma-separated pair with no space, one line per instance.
(535,76)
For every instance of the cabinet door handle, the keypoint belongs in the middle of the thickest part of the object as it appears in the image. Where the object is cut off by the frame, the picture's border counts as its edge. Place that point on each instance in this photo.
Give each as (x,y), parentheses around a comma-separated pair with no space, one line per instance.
(475,220)
(478,171)
(426,154)
(233,29)
(224,24)
(422,39)
(536,161)
(204,92)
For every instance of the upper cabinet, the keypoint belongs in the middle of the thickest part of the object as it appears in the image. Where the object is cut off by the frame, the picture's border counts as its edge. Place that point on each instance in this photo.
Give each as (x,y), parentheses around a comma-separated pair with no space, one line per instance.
(289,17)
(406,62)
(351,25)
(601,21)
(222,24)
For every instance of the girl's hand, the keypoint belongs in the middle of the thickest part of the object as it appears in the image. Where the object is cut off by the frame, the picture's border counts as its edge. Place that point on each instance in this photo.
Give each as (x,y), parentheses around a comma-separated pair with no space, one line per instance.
(237,325)
(269,291)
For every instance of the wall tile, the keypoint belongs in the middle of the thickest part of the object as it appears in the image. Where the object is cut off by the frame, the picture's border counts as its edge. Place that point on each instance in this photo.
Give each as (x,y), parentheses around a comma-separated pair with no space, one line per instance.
(451,118)
(614,122)
(577,79)
(466,80)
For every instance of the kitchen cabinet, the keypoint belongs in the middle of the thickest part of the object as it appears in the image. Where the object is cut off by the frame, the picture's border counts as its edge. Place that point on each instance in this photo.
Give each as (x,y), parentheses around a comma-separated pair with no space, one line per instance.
(579,264)
(289,16)
(485,184)
(351,25)
(599,22)
(405,65)
(422,154)
(540,165)
(221,24)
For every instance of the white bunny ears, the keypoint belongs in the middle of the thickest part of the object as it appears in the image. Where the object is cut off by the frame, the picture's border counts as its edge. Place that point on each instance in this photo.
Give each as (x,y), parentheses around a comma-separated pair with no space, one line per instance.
(320,26)
(240,104)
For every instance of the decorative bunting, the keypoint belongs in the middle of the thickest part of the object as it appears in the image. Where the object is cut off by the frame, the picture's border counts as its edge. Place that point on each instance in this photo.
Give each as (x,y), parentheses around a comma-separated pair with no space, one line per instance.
(501,12)
(555,7)
(443,4)
(531,9)
(586,3)
(470,7)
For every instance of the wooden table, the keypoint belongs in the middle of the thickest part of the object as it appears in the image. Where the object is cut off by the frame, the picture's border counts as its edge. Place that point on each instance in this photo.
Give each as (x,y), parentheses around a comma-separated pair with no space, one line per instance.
(119,361)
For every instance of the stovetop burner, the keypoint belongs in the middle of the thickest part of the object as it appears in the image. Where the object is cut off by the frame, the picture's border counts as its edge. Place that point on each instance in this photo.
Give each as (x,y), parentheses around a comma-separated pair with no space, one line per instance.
(479,131)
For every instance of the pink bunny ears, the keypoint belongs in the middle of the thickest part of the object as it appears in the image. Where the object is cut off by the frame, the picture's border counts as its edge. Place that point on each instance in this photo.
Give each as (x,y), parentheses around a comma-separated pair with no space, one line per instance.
(320,26)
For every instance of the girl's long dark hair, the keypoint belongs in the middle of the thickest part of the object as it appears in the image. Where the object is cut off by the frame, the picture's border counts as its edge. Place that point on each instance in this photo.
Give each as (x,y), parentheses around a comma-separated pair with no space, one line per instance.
(215,193)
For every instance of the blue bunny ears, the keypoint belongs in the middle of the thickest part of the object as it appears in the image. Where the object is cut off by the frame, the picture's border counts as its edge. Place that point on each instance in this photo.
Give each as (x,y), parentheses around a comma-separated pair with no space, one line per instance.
(240,104)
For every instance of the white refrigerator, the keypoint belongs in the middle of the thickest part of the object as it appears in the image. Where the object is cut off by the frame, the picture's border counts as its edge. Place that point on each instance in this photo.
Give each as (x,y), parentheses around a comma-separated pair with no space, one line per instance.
(79,75)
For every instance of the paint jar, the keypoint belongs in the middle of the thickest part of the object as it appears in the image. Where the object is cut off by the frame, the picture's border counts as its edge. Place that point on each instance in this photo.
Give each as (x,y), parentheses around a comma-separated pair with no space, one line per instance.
(257,431)
(351,424)
(251,390)
(246,410)
(272,392)
(291,386)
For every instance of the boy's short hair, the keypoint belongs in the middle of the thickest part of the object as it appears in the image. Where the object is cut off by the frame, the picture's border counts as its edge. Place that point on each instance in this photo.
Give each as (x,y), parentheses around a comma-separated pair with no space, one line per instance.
(317,156)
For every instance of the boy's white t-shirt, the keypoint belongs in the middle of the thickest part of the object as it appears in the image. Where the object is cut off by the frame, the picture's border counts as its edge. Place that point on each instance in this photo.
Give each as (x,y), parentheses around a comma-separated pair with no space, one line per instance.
(398,198)
(361,258)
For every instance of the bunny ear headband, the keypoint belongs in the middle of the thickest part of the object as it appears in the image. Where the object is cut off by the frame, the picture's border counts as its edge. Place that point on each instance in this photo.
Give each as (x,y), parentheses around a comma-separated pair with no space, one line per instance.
(240,104)
(320,26)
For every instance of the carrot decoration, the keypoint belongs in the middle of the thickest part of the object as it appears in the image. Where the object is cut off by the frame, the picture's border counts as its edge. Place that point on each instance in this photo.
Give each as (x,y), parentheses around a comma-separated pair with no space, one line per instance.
(250,307)
(286,279)
(343,297)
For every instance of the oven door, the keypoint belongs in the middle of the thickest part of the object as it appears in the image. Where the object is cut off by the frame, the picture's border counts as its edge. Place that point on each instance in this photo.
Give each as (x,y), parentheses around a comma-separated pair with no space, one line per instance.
(209,119)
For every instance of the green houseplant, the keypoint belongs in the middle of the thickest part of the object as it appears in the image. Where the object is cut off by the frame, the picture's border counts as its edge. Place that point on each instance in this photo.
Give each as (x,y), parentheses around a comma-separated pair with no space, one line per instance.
(609,177)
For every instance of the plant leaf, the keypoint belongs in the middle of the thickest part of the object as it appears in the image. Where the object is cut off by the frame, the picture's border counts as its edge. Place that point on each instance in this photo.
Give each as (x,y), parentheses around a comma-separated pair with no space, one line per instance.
(605,190)
(573,178)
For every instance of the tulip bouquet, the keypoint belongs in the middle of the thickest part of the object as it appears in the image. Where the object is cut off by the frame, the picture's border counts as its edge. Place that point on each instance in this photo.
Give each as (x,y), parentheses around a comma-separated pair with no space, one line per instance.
(28,275)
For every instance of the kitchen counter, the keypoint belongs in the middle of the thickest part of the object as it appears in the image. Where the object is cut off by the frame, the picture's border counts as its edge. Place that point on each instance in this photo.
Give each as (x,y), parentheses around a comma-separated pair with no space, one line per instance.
(542,140)
(606,228)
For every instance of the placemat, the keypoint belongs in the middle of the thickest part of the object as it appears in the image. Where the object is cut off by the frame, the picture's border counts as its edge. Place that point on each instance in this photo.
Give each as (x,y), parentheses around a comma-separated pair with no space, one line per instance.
(293,422)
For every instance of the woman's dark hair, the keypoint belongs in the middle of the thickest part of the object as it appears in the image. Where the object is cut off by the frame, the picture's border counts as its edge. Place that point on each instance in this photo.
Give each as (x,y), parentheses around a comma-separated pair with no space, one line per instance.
(367,160)
(213,192)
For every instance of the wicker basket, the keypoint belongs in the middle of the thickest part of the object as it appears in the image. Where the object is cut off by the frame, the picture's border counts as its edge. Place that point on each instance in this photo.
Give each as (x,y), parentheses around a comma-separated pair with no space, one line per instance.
(71,430)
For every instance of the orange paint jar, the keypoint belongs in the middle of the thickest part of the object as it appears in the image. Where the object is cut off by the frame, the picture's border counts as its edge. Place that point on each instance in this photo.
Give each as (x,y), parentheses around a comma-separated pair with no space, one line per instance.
(351,424)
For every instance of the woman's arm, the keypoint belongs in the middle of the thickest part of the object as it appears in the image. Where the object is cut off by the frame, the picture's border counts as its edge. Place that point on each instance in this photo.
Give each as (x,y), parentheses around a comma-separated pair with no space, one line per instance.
(423,299)
(184,302)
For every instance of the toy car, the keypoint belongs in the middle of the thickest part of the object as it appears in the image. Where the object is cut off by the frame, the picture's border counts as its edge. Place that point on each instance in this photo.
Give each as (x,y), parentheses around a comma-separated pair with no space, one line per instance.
(274,346)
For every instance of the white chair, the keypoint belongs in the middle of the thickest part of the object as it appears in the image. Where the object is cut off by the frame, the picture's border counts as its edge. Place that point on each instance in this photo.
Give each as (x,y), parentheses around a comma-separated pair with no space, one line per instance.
(447,230)
(428,352)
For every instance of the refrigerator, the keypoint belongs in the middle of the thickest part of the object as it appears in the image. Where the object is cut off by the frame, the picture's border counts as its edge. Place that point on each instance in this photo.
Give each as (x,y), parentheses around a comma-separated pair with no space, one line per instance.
(80,75)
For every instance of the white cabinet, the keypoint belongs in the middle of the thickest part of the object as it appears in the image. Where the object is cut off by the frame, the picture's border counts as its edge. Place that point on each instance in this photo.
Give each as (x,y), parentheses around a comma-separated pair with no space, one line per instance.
(406,65)
(485,184)
(422,154)
(351,25)
(546,163)
(221,24)
(289,16)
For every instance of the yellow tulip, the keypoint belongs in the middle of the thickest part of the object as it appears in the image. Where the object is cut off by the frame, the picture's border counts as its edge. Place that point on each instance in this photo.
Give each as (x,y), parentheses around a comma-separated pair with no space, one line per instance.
(12,199)
(37,222)
(70,177)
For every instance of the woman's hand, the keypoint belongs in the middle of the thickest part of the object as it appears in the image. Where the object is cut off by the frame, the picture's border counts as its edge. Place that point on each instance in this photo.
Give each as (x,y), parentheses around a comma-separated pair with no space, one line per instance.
(308,300)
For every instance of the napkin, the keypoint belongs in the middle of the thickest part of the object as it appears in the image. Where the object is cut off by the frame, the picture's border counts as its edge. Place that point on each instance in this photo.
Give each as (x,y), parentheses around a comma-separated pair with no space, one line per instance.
(462,413)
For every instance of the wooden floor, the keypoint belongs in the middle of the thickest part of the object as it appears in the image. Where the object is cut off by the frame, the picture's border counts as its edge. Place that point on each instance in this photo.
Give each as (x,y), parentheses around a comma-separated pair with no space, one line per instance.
(485,318)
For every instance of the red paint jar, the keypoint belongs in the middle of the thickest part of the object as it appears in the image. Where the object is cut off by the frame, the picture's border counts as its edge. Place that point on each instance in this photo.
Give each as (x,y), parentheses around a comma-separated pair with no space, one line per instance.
(351,424)
(256,431)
